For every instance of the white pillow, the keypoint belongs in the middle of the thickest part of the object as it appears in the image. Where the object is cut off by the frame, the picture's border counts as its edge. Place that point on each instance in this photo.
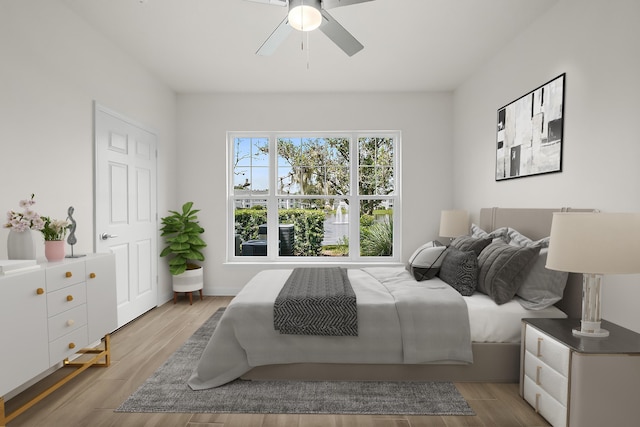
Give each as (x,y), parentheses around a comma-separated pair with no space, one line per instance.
(500,233)
(515,238)
(425,261)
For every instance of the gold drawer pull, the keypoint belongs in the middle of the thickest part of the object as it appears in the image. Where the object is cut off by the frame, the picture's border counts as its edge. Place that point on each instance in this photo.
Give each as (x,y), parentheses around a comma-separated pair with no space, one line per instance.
(72,345)
(70,322)
(92,275)
(39,291)
(68,274)
(537,408)
(69,297)
(538,369)
(539,347)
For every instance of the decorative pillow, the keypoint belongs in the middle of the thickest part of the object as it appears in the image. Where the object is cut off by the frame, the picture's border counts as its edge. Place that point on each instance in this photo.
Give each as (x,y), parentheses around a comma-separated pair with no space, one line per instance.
(500,233)
(468,243)
(460,270)
(515,238)
(426,260)
(503,269)
(542,287)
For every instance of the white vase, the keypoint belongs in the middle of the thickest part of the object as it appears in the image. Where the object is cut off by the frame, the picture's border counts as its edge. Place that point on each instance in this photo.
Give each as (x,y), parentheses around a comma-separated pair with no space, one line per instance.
(20,245)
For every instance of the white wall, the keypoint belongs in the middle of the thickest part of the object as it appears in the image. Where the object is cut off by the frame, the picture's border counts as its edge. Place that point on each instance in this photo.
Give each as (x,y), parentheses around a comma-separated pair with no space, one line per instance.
(424,119)
(53,66)
(596,44)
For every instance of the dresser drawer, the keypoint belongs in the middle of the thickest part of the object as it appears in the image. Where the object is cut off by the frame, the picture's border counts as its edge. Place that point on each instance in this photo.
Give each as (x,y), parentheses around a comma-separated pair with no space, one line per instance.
(66,299)
(63,275)
(67,345)
(547,378)
(67,321)
(546,349)
(544,404)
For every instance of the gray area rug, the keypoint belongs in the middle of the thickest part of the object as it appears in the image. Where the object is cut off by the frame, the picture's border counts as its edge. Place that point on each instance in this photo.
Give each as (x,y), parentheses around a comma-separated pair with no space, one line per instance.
(167,391)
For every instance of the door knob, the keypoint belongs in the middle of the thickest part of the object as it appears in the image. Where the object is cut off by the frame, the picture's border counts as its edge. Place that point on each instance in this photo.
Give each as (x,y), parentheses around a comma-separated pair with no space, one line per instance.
(105,236)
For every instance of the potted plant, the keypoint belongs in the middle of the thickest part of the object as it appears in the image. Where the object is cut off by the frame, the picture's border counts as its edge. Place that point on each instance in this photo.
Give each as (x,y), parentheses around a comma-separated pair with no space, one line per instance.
(54,232)
(182,231)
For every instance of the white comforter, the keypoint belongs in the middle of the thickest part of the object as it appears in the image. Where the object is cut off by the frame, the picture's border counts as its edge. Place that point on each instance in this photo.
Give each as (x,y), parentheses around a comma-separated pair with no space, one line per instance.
(399,321)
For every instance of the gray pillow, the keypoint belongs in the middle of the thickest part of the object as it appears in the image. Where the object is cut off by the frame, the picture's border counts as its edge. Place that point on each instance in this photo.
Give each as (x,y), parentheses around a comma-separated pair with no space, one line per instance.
(425,261)
(460,270)
(468,243)
(542,287)
(503,268)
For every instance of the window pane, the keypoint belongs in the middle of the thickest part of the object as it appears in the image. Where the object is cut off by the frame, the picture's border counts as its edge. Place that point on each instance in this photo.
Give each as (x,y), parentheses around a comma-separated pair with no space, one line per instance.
(242,152)
(301,226)
(250,218)
(376,161)
(376,228)
(251,165)
(335,241)
(313,166)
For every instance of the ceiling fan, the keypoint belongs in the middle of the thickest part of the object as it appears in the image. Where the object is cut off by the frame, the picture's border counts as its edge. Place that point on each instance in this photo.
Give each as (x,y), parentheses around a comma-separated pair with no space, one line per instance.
(307,15)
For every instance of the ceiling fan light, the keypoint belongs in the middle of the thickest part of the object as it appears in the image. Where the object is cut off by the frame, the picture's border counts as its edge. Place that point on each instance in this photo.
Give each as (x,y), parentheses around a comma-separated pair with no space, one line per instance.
(305,17)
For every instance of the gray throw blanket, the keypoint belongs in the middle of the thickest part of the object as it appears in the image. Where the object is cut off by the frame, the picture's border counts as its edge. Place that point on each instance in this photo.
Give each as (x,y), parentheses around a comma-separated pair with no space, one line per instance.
(316,301)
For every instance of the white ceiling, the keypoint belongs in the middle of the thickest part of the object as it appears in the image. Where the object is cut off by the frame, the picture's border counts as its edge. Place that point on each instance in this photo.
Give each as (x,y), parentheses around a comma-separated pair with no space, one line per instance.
(410,45)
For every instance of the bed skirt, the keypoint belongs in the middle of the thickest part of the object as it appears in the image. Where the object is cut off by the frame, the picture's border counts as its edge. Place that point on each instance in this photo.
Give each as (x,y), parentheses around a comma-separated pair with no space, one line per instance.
(492,362)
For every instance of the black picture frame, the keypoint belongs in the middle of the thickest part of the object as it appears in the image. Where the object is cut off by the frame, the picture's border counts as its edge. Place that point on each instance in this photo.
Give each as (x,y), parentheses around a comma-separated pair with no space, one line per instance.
(530,132)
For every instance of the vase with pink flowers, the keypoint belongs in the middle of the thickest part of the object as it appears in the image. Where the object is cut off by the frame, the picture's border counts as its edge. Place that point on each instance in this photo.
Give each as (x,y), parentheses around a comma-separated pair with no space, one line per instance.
(20,223)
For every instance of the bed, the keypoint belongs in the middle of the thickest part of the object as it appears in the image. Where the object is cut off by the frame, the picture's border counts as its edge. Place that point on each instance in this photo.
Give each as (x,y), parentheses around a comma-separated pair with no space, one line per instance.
(390,344)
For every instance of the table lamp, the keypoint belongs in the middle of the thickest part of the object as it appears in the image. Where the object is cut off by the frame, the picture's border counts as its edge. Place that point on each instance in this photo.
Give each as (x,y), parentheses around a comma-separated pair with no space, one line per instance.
(594,244)
(454,223)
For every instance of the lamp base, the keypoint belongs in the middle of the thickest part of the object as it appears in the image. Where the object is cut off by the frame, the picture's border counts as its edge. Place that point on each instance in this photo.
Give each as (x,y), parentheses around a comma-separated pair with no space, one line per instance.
(599,333)
(591,305)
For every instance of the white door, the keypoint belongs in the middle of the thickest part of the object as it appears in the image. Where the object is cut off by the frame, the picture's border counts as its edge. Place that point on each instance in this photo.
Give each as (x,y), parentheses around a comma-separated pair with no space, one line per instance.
(125,209)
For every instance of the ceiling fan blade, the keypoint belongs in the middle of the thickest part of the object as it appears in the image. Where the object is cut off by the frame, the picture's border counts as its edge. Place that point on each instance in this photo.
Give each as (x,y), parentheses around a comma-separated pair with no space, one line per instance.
(330,4)
(274,2)
(276,38)
(339,35)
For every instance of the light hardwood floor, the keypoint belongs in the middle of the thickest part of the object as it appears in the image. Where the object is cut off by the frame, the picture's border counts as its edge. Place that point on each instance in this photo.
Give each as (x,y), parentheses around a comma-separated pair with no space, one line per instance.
(142,346)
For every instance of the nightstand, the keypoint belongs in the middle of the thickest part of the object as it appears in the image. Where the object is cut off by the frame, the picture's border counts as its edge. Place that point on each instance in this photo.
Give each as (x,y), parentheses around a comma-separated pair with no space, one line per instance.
(580,382)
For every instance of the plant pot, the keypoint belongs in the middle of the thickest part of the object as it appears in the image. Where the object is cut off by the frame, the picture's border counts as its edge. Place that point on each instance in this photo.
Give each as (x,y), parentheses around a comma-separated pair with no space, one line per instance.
(54,250)
(189,281)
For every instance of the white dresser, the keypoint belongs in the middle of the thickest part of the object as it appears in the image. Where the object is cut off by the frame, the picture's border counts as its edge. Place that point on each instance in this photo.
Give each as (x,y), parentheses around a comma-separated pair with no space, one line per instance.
(580,382)
(50,313)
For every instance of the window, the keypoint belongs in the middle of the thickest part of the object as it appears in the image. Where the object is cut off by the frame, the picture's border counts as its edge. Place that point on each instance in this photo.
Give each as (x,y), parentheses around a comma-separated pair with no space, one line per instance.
(314,197)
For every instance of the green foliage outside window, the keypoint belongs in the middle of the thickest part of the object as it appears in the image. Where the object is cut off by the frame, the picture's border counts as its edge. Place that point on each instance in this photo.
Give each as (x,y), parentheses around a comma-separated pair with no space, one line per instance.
(247,222)
(377,239)
(308,226)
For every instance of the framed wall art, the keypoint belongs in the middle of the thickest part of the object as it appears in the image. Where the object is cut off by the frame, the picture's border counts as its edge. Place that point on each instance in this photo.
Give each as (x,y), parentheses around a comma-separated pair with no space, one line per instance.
(530,131)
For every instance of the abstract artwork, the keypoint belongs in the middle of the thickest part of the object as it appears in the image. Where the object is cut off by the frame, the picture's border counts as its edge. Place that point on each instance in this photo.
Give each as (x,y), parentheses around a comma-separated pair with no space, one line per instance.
(530,131)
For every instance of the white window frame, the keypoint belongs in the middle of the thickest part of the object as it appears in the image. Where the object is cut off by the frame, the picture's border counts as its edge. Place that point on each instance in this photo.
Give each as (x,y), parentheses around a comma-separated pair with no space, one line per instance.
(272,197)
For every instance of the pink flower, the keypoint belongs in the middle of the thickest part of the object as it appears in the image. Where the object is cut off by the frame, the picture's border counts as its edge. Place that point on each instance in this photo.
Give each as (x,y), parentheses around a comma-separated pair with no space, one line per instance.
(27,219)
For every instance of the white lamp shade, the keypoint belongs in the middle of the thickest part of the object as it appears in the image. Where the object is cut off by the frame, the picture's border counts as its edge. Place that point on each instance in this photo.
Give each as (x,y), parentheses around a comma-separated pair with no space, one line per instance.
(595,243)
(454,223)
(304,15)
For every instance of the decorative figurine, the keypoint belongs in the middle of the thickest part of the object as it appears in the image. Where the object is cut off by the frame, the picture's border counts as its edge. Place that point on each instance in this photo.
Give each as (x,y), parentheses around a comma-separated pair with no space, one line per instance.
(71,240)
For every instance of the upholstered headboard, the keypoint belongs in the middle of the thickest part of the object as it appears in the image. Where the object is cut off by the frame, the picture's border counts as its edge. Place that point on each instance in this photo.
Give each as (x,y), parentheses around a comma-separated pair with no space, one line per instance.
(536,224)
